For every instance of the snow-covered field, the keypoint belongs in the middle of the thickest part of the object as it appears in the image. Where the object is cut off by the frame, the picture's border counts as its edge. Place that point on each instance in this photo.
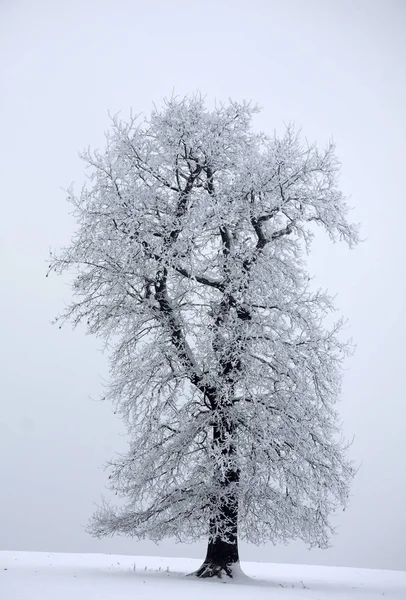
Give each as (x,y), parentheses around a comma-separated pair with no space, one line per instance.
(43,576)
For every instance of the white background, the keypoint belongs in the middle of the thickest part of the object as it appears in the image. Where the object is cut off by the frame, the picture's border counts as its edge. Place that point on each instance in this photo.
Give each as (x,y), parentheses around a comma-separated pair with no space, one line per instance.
(334,68)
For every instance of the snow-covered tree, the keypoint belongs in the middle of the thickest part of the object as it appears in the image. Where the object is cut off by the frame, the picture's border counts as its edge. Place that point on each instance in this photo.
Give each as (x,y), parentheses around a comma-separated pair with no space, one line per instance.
(189,262)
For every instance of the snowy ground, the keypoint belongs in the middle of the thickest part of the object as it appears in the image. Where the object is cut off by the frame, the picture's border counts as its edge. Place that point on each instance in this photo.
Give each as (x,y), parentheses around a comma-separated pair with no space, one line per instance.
(42,576)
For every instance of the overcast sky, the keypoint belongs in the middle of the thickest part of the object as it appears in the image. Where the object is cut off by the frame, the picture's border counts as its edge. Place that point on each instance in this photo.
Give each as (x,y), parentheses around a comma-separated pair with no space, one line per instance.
(334,68)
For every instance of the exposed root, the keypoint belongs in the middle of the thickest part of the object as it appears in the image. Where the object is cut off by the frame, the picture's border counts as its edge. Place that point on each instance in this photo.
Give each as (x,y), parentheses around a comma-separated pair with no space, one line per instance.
(210,569)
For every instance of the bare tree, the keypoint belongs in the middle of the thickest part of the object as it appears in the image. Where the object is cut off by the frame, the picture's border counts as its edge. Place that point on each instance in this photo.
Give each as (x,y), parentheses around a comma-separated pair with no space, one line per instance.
(189,263)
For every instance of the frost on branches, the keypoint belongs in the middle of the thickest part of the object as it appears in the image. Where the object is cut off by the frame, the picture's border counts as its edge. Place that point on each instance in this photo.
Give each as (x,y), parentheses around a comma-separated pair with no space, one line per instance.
(188,262)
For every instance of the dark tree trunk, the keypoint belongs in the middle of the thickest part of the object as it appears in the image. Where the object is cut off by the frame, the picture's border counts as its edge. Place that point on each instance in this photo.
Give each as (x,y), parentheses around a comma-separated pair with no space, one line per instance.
(222,550)
(222,554)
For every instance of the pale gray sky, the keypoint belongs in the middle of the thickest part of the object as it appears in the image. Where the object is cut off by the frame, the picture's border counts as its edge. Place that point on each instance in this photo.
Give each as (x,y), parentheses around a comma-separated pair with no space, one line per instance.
(336,69)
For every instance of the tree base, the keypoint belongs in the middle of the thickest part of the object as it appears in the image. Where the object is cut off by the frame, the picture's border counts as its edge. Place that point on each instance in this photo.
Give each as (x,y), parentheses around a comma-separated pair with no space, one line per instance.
(211,569)
(222,558)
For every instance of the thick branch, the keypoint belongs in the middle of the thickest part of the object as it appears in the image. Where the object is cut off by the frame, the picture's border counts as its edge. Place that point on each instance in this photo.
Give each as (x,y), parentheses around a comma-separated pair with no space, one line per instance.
(224,232)
(199,278)
(178,339)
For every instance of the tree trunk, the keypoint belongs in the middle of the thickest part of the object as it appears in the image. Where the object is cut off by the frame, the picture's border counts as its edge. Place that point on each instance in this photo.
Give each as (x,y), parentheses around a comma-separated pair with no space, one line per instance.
(222,555)
(222,549)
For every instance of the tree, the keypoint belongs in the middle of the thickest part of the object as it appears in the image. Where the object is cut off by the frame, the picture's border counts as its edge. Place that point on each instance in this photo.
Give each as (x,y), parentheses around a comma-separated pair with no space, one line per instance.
(189,263)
